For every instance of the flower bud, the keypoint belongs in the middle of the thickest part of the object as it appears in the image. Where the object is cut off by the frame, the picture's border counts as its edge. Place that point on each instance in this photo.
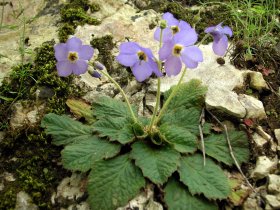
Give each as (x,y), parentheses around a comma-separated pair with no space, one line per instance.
(98,65)
(95,74)
(163,24)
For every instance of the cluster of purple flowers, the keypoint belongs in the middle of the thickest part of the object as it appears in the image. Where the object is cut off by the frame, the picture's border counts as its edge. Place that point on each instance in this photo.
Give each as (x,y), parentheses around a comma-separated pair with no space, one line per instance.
(178,48)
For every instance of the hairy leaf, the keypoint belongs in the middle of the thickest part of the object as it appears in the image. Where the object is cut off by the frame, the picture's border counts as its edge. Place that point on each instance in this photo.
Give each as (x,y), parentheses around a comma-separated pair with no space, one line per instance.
(189,95)
(112,183)
(65,130)
(156,162)
(187,118)
(81,109)
(177,197)
(216,146)
(105,106)
(117,129)
(209,180)
(182,140)
(82,155)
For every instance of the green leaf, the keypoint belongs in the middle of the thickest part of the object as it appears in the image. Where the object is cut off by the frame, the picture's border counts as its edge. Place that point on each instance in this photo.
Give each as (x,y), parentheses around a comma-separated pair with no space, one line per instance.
(182,140)
(209,180)
(117,129)
(81,109)
(82,155)
(216,146)
(177,197)
(105,106)
(65,130)
(190,94)
(185,118)
(112,183)
(156,162)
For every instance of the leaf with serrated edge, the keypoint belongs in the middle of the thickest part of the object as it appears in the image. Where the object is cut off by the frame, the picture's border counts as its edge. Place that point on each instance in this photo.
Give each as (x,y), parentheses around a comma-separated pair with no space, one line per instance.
(112,183)
(156,163)
(182,140)
(105,106)
(190,94)
(65,130)
(209,179)
(216,146)
(177,197)
(117,129)
(82,155)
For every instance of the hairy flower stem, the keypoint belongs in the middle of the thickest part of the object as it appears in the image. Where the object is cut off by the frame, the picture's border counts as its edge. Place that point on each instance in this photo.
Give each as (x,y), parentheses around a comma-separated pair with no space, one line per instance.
(122,92)
(158,88)
(173,93)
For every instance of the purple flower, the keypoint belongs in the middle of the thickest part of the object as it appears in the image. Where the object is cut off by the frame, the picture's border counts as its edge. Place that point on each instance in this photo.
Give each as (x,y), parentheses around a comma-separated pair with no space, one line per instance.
(180,49)
(72,57)
(140,59)
(220,43)
(173,27)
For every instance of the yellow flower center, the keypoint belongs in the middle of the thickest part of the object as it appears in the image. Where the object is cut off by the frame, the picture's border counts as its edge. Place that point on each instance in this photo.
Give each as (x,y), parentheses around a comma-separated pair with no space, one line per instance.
(73,57)
(177,50)
(175,29)
(142,56)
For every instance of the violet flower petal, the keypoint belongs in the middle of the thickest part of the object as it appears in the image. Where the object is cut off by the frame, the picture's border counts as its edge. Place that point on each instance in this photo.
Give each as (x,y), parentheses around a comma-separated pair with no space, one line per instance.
(220,46)
(186,38)
(64,68)
(171,21)
(192,52)
(61,51)
(173,65)
(166,34)
(210,29)
(129,48)
(227,30)
(79,67)
(127,59)
(188,61)
(141,71)
(74,44)
(166,50)
(184,25)
(154,68)
(85,52)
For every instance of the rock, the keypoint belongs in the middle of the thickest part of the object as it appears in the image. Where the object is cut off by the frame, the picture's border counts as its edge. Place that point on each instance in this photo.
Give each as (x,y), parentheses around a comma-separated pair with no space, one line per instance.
(9,177)
(273,201)
(150,101)
(144,201)
(273,183)
(277,135)
(69,189)
(254,107)
(259,140)
(24,115)
(24,202)
(225,101)
(264,166)
(141,4)
(251,203)
(257,81)
(81,206)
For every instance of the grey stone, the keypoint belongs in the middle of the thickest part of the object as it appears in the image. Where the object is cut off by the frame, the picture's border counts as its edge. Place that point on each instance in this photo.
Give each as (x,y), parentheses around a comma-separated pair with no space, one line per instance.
(224,100)
(24,202)
(251,203)
(257,81)
(273,201)
(273,183)
(277,135)
(259,140)
(254,107)
(152,205)
(264,166)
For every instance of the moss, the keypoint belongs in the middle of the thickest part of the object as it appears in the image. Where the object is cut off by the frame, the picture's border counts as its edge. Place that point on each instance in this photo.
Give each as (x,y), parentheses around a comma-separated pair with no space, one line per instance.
(104,45)
(73,14)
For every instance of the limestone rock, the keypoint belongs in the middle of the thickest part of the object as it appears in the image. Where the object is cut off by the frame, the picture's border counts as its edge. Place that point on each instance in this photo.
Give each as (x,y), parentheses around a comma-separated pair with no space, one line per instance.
(274,183)
(263,167)
(257,81)
(273,201)
(225,101)
(251,203)
(277,135)
(150,101)
(254,107)
(259,140)
(24,202)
